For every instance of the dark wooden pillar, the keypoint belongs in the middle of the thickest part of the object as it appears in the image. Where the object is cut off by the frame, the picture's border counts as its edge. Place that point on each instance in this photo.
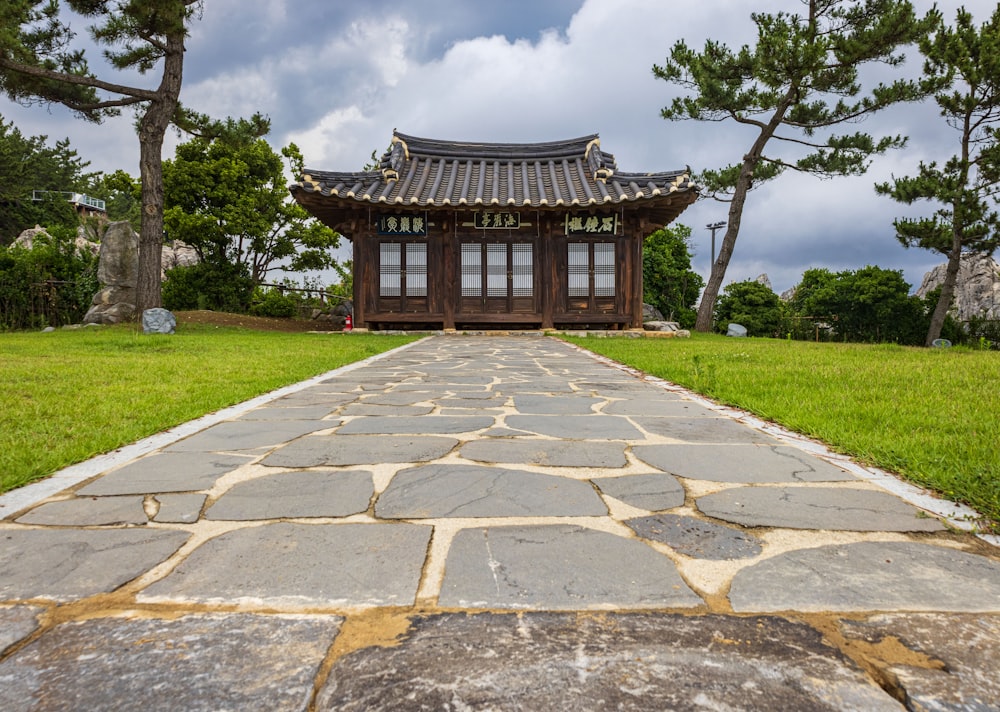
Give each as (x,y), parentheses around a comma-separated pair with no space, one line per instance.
(450,291)
(358,251)
(547,270)
(635,241)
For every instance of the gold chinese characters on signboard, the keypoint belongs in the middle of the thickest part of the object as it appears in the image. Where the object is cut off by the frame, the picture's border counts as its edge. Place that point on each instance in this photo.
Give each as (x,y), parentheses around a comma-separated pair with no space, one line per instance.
(497,220)
(402,224)
(587,224)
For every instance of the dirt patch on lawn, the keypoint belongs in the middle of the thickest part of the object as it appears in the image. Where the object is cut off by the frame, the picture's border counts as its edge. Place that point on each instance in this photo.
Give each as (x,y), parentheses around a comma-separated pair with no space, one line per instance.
(259,323)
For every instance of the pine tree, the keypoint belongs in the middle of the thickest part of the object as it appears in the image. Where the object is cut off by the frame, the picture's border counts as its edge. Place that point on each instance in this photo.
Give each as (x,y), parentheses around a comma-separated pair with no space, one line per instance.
(38,65)
(798,81)
(962,69)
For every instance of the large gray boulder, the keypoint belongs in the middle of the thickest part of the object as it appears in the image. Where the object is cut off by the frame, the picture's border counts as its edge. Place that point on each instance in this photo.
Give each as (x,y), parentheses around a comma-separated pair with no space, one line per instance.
(977,288)
(158,321)
(651,313)
(118,272)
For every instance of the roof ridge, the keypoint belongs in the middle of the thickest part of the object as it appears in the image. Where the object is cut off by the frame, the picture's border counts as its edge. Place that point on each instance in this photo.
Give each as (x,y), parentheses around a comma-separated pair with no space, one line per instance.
(416,145)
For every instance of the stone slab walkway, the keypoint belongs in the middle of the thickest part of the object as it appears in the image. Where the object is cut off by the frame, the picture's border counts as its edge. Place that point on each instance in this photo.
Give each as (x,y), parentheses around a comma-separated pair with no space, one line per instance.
(492,523)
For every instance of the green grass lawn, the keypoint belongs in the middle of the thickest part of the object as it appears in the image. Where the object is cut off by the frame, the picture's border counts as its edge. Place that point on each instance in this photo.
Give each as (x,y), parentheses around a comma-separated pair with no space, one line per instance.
(930,415)
(68,395)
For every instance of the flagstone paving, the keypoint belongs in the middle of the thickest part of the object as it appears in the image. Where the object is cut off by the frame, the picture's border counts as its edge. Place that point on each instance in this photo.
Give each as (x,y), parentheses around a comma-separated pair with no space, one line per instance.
(493,522)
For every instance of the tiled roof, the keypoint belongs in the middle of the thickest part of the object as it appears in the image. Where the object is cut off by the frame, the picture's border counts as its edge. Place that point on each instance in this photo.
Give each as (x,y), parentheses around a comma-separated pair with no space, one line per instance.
(427,173)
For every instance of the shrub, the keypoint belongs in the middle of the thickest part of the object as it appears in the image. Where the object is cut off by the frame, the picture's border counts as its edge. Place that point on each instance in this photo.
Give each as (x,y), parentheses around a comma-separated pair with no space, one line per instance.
(752,304)
(51,284)
(216,286)
(272,302)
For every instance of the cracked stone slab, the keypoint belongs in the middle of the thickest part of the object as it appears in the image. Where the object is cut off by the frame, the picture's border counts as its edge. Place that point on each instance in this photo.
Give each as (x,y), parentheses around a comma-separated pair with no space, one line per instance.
(669,406)
(305,412)
(620,388)
(371,409)
(248,435)
(340,450)
(302,566)
(551,453)
(67,564)
(397,398)
(196,662)
(835,508)
(870,576)
(558,567)
(617,661)
(487,405)
(696,538)
(746,464)
(424,424)
(16,624)
(555,405)
(296,494)
(432,491)
(488,396)
(534,385)
(166,472)
(179,508)
(576,427)
(315,397)
(87,511)
(703,430)
(955,663)
(654,491)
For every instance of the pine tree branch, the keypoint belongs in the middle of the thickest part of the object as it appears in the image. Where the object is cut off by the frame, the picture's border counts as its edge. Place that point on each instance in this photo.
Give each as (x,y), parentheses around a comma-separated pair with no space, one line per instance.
(77,79)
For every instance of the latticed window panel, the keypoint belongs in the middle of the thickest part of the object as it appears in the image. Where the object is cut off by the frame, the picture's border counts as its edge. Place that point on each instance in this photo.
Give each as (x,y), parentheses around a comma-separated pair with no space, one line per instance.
(390,270)
(578,275)
(604,269)
(496,270)
(472,269)
(416,269)
(522,270)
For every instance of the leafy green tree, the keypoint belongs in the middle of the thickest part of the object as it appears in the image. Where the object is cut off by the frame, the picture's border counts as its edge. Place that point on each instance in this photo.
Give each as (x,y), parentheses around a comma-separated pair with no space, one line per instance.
(871,304)
(668,281)
(122,196)
(962,66)
(793,86)
(27,164)
(40,64)
(227,198)
(752,304)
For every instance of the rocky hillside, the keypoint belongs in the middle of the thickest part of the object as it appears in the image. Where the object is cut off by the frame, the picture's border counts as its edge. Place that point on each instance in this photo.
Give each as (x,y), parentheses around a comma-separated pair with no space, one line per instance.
(977,291)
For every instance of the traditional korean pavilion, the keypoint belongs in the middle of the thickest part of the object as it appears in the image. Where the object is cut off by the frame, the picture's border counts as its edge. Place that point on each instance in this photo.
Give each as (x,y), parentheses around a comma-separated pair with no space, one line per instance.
(496,235)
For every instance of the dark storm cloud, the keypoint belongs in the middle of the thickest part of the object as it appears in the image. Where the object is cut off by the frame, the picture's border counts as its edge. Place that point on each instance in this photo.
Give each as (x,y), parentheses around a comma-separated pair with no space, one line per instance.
(337,77)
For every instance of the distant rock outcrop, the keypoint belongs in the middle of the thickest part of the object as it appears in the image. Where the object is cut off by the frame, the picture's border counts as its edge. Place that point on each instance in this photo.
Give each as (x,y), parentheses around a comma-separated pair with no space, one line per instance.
(765,280)
(977,289)
(83,245)
(177,254)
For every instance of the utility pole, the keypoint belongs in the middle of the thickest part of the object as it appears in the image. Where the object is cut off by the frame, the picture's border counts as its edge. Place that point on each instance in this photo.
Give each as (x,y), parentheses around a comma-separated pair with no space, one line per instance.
(713,227)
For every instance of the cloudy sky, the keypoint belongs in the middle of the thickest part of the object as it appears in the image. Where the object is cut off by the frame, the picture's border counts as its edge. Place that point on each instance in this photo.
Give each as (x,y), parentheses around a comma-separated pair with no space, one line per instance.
(337,77)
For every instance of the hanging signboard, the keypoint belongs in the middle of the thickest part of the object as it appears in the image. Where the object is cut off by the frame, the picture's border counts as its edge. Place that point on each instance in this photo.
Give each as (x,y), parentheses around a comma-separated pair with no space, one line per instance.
(587,224)
(497,220)
(402,224)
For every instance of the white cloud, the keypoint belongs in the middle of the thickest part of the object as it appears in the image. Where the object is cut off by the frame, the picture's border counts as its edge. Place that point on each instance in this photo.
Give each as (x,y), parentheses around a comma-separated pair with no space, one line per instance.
(337,79)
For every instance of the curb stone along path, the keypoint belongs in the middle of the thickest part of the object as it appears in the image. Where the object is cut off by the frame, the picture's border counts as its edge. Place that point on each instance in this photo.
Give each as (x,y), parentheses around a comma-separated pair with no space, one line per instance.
(491,522)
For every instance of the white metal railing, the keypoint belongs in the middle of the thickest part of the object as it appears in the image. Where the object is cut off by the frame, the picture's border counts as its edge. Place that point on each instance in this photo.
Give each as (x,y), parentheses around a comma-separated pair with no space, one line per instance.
(75,198)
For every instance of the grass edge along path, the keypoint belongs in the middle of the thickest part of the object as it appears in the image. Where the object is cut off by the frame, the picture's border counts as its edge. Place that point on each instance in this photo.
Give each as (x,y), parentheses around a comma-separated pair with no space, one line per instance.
(69,395)
(931,416)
